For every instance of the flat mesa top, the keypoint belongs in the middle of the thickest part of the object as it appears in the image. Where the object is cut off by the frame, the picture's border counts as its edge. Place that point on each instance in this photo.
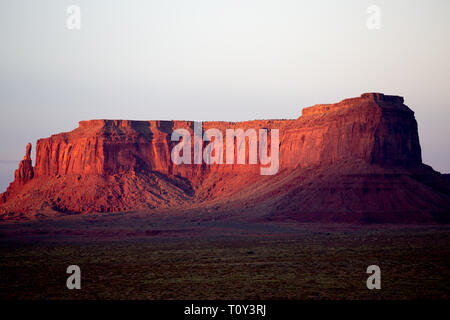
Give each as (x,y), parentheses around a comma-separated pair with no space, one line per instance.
(379,98)
(366,101)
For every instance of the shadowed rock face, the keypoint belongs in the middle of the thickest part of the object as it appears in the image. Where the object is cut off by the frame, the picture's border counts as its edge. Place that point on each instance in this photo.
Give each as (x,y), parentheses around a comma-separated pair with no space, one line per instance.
(356,160)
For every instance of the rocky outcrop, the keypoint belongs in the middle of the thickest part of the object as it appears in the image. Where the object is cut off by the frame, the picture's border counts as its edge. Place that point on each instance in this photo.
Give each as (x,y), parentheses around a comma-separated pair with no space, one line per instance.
(376,128)
(22,175)
(25,171)
(353,151)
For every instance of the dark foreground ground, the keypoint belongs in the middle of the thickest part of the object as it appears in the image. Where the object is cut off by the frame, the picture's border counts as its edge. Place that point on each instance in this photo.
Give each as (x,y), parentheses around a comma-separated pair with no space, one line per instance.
(140,259)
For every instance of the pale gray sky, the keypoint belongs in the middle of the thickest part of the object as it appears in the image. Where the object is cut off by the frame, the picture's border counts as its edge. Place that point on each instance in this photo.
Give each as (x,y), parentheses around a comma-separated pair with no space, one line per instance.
(216,60)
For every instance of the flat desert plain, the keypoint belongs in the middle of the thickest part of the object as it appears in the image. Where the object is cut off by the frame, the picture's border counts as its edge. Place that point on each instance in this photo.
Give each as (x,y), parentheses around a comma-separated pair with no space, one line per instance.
(139,256)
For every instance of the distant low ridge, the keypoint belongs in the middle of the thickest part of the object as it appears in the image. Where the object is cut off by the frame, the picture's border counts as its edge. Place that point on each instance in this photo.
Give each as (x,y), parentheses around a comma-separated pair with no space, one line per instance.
(356,161)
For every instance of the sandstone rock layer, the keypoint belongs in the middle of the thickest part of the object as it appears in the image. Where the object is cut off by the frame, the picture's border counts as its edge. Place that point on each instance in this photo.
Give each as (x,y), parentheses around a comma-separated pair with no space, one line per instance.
(358,160)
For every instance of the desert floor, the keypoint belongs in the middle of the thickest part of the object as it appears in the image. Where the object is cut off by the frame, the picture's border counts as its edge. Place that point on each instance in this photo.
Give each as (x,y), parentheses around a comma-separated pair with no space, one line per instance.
(137,257)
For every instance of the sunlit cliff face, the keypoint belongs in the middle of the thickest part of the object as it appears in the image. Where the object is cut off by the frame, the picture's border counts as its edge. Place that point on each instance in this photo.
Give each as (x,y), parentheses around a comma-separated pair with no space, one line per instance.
(347,156)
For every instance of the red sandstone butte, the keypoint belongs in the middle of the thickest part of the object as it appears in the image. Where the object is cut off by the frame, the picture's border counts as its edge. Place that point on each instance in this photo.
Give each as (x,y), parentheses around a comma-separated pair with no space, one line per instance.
(355,161)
